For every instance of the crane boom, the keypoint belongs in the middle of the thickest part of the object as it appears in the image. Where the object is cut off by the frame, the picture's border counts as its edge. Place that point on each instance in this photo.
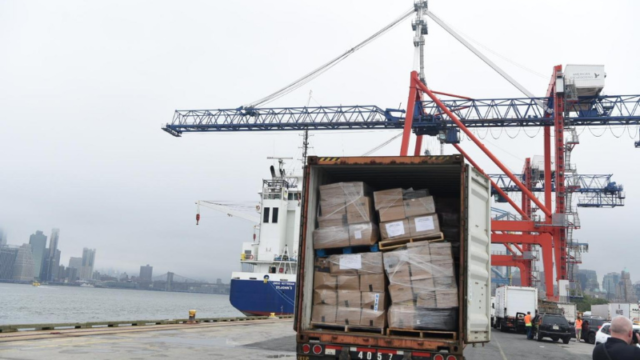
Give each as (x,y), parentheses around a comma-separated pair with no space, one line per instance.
(229,210)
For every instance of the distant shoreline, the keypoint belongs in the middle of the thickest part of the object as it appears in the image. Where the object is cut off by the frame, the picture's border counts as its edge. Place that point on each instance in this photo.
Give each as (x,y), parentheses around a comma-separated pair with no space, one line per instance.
(2,281)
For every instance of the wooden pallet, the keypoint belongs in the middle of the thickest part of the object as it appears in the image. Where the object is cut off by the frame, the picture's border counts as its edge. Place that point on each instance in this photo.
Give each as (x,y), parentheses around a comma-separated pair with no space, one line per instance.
(387,245)
(347,250)
(349,328)
(449,335)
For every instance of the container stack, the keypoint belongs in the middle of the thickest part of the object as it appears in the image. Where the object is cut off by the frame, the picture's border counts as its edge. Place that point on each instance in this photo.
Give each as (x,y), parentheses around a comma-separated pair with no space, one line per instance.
(350,290)
(406,214)
(346,216)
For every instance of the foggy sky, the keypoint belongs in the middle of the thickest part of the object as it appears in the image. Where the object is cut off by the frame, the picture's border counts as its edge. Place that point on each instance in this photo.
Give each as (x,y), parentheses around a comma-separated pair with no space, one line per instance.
(86,86)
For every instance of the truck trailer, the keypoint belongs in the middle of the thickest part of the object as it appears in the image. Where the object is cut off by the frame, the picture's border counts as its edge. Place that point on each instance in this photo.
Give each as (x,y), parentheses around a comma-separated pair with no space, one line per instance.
(610,311)
(512,304)
(446,177)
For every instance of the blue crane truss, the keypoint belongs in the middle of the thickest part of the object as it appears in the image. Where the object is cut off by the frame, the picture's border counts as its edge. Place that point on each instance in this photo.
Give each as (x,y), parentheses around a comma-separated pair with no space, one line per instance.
(474,113)
(593,190)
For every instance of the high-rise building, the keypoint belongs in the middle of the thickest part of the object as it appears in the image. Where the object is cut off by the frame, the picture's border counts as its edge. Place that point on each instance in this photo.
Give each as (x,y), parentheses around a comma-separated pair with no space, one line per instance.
(52,259)
(88,259)
(610,285)
(3,238)
(75,262)
(7,260)
(146,273)
(23,267)
(38,242)
(71,274)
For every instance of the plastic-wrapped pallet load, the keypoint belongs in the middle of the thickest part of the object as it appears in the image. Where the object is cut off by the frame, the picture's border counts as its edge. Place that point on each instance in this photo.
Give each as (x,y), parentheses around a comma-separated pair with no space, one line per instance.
(359,284)
(406,214)
(422,286)
(346,216)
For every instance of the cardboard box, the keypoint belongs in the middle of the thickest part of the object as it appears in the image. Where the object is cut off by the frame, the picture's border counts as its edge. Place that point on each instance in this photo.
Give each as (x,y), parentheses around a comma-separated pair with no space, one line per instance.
(401,316)
(373,301)
(414,194)
(348,316)
(373,283)
(335,220)
(440,251)
(419,206)
(330,237)
(442,268)
(332,208)
(426,299)
(347,264)
(355,189)
(332,193)
(360,210)
(363,234)
(445,283)
(386,198)
(424,225)
(324,281)
(423,285)
(325,297)
(349,282)
(392,213)
(371,318)
(395,230)
(372,263)
(421,270)
(400,292)
(400,274)
(392,259)
(419,250)
(325,314)
(446,298)
(349,299)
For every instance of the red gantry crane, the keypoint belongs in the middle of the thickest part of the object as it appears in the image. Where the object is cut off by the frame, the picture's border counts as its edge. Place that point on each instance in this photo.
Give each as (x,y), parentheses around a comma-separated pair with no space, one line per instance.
(570,101)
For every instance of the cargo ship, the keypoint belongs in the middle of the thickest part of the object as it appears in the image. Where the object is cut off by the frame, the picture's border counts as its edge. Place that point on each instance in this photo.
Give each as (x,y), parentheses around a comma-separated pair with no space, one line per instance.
(267,281)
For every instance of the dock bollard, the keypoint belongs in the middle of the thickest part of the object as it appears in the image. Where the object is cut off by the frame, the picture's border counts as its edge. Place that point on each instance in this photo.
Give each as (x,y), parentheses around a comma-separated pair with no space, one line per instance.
(273,315)
(192,317)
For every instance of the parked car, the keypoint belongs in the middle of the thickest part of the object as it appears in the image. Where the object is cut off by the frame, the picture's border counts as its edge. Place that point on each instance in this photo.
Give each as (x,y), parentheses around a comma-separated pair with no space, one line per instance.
(590,326)
(554,326)
(605,332)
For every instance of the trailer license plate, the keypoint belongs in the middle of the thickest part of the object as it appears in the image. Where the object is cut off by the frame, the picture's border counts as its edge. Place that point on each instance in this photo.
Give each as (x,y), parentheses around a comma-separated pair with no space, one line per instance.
(556,327)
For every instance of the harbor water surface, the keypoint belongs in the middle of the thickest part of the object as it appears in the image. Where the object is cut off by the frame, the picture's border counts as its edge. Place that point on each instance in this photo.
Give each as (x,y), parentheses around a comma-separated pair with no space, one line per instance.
(26,304)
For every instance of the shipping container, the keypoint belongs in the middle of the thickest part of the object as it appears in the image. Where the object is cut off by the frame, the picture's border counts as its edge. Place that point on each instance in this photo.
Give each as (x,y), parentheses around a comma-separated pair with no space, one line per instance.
(610,311)
(448,177)
(512,304)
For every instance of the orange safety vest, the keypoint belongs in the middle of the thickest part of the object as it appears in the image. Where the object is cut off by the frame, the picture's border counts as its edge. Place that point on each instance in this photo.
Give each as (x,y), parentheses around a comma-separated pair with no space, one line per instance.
(579,324)
(527,320)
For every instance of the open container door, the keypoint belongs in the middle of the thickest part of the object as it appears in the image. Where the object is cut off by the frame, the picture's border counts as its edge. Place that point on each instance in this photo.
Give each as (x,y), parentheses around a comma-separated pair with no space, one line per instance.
(478,256)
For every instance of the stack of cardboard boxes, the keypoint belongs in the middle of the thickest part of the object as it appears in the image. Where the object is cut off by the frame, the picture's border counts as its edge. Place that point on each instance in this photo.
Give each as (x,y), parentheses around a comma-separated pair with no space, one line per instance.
(422,286)
(406,214)
(346,216)
(350,290)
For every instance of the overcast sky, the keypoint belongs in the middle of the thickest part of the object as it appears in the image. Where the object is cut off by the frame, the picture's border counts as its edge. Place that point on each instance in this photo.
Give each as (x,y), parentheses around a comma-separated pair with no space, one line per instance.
(86,86)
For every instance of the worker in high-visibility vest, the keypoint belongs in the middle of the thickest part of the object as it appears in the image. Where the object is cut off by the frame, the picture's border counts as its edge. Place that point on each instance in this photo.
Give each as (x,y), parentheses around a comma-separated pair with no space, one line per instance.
(527,324)
(578,329)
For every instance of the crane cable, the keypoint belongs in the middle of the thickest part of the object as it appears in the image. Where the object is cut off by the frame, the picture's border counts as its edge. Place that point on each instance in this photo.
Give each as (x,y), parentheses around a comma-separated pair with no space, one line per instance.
(317,72)
(382,145)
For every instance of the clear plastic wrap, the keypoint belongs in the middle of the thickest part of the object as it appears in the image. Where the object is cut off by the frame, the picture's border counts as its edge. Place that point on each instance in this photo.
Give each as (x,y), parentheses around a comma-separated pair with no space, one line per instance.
(422,286)
(357,284)
(345,216)
(406,214)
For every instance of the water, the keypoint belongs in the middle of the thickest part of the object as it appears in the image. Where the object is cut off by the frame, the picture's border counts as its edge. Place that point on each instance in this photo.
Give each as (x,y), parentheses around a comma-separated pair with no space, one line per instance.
(26,304)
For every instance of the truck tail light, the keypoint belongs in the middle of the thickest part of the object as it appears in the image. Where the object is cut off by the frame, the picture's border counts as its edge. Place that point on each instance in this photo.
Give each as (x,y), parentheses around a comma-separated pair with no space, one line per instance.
(451,357)
(306,348)
(438,357)
(317,349)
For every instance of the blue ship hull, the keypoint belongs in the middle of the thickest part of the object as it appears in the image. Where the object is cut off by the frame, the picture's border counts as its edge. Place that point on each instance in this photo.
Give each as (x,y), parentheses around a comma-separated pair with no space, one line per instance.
(257,298)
